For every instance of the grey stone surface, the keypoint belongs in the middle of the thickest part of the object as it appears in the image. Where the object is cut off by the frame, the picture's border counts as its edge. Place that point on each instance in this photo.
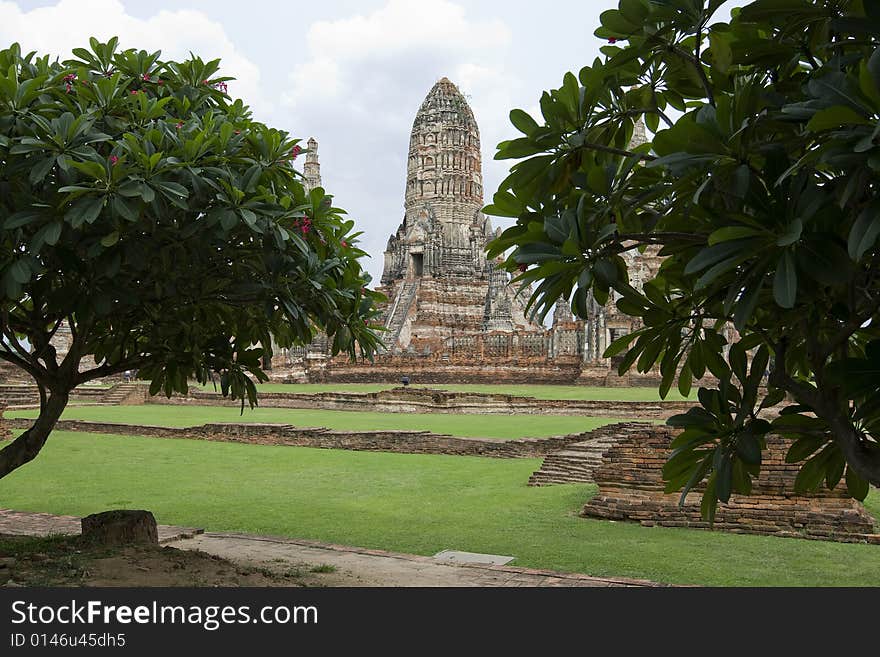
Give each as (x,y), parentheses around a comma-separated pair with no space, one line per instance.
(456,556)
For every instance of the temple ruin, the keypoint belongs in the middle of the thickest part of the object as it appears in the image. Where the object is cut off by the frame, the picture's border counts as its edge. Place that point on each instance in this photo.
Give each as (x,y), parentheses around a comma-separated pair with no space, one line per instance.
(451,314)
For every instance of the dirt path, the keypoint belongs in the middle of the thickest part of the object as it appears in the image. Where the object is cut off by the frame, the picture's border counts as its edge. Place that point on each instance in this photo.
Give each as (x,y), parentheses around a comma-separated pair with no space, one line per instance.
(327,564)
(353,566)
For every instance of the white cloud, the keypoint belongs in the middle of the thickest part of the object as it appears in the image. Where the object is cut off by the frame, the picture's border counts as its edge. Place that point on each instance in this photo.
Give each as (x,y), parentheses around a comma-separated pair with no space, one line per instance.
(361,81)
(69,24)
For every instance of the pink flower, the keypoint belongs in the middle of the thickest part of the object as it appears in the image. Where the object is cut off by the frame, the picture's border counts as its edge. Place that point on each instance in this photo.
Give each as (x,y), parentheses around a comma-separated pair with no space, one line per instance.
(146,77)
(296,151)
(67,88)
(221,86)
(612,40)
(344,244)
(70,77)
(160,82)
(523,267)
(204,82)
(179,125)
(113,160)
(237,132)
(134,92)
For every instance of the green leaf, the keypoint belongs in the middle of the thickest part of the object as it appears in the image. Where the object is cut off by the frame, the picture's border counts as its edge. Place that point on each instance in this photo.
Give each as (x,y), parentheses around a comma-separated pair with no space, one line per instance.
(51,233)
(715,254)
(855,485)
(523,122)
(147,193)
(748,448)
(110,239)
(685,379)
(20,271)
(41,170)
(84,211)
(517,148)
(621,343)
(811,474)
(723,477)
(709,503)
(792,233)
(785,281)
(22,218)
(737,360)
(834,470)
(835,117)
(536,253)
(615,21)
(864,232)
(728,233)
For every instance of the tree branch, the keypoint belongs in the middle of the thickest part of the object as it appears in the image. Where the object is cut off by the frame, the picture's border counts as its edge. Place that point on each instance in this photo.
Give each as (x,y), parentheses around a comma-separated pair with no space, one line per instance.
(109,370)
(10,357)
(616,151)
(847,330)
(662,237)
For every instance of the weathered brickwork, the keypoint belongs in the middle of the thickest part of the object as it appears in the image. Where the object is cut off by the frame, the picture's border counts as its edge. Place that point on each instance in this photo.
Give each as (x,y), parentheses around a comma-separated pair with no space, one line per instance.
(403,442)
(438,281)
(4,428)
(452,315)
(424,400)
(631,488)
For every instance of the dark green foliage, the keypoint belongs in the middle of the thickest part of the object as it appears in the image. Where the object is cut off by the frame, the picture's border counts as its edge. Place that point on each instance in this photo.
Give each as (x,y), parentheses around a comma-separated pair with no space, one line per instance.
(760,186)
(142,206)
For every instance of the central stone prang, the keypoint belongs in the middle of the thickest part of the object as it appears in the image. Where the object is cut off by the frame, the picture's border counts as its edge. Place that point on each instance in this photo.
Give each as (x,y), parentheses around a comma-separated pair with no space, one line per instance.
(439,283)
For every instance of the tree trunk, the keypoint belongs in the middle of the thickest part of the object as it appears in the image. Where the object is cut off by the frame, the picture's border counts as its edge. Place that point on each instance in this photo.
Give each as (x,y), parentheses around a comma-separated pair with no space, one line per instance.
(26,447)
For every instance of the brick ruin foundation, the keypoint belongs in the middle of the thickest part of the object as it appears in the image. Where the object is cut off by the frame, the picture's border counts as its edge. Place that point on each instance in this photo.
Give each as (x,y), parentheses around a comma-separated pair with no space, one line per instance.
(4,429)
(631,488)
(399,442)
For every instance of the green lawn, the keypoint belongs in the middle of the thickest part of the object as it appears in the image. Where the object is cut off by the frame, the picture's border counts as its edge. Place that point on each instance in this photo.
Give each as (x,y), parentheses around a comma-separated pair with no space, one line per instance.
(480,426)
(537,391)
(410,503)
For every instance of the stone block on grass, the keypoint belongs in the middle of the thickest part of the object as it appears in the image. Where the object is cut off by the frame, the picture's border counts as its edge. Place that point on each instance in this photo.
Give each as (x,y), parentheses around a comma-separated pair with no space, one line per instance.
(121,527)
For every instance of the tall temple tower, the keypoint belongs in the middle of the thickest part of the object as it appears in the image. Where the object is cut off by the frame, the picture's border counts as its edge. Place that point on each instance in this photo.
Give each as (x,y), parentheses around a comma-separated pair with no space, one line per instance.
(312,168)
(436,275)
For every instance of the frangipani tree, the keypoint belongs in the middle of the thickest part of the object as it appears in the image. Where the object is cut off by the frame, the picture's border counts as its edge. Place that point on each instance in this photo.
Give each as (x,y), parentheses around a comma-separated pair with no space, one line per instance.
(761,185)
(146,210)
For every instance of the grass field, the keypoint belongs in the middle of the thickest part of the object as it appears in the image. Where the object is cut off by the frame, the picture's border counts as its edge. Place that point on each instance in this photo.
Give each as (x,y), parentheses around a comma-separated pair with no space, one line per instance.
(537,391)
(479,426)
(410,503)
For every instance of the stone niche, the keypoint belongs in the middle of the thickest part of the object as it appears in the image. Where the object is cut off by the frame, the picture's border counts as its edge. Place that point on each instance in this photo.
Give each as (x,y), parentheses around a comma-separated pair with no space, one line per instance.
(631,488)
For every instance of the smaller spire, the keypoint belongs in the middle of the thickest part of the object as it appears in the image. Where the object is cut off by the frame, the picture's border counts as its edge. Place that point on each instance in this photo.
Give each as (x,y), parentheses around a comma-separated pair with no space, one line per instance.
(312,168)
(562,312)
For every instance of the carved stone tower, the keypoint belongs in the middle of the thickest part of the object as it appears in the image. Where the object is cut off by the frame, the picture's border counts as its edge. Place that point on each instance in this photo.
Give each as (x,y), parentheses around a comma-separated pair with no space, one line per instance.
(436,275)
(312,168)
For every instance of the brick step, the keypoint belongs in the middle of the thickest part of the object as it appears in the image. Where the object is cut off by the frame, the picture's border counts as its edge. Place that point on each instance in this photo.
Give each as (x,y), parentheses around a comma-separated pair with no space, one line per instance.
(549,479)
(119,393)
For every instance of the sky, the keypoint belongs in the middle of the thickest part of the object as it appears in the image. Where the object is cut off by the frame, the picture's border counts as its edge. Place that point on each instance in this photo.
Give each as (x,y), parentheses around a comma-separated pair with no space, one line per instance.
(350,73)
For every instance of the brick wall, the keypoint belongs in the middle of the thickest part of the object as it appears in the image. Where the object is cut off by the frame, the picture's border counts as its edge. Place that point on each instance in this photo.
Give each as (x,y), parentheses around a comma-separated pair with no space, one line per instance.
(631,488)
(4,424)
(404,442)
(422,400)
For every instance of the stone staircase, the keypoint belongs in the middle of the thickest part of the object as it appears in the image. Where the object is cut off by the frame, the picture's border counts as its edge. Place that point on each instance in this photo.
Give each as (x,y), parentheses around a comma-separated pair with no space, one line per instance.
(399,312)
(577,462)
(119,393)
(12,375)
(19,395)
